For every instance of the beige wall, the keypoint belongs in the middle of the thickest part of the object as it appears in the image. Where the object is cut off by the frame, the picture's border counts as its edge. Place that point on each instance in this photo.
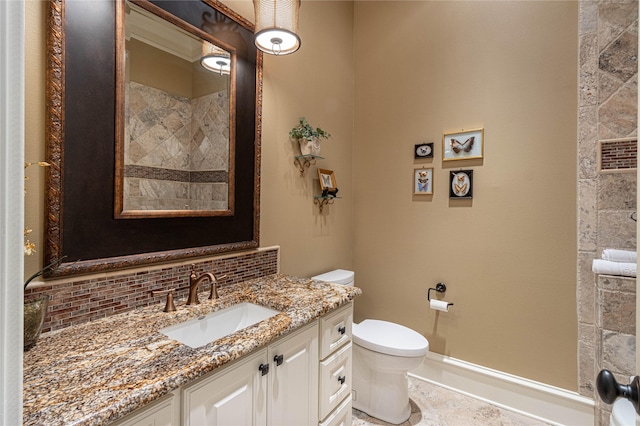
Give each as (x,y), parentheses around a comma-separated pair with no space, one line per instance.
(178,77)
(35,26)
(145,61)
(509,256)
(315,82)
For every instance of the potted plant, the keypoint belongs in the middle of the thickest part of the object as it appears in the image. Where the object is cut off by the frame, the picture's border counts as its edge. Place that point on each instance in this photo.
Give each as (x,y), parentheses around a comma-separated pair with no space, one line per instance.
(308,137)
(35,310)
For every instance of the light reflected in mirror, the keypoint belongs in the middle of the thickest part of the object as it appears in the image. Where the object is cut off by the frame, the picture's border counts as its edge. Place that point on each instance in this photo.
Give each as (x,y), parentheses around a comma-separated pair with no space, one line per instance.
(176,153)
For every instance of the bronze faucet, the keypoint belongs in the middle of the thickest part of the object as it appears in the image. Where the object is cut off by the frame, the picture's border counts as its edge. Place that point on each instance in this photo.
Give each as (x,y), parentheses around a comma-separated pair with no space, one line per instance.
(194,282)
(169,306)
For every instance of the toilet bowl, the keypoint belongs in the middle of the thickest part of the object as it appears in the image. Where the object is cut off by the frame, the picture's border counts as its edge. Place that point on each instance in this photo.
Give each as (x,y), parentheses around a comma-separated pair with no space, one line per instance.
(383,354)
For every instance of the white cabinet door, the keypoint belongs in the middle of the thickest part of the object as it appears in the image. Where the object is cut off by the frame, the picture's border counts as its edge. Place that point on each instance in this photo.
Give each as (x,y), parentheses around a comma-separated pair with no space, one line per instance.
(235,396)
(293,379)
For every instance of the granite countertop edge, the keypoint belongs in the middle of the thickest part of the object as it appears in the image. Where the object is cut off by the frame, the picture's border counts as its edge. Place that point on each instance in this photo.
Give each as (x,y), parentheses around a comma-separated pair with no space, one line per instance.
(98,372)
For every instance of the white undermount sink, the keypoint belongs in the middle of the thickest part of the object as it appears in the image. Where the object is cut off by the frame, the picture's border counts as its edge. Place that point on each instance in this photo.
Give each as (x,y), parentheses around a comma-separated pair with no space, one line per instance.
(210,327)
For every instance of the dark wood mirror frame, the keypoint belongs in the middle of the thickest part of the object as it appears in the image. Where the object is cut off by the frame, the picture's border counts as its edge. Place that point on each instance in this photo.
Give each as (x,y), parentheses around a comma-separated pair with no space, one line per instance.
(80,136)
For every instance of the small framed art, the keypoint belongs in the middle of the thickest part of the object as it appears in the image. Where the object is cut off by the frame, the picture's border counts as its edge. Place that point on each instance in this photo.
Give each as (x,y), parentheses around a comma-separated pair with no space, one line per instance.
(461,184)
(327,179)
(464,145)
(423,181)
(423,150)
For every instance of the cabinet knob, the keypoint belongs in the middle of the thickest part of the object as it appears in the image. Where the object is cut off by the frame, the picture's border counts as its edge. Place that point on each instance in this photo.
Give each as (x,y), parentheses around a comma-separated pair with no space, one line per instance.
(342,329)
(278,359)
(342,379)
(264,369)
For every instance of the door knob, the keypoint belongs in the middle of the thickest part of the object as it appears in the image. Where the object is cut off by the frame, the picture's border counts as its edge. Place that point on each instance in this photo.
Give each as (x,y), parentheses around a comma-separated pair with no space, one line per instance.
(609,389)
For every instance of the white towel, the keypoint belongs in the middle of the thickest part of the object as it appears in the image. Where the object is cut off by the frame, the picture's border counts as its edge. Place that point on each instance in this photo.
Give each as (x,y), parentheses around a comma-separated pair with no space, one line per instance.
(607,267)
(615,255)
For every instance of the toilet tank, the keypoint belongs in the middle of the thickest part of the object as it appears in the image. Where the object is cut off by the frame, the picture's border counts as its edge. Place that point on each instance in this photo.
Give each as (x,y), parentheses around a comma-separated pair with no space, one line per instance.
(337,276)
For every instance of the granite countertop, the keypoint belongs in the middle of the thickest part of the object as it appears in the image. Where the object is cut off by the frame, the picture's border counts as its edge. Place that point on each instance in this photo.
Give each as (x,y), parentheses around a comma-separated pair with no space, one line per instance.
(98,372)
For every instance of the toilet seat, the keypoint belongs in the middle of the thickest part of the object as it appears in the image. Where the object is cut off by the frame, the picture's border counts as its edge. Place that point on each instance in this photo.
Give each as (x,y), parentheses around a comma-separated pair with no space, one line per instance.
(389,338)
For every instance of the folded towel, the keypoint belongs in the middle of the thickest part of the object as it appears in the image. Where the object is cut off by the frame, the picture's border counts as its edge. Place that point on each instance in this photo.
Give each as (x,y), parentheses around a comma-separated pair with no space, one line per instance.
(620,255)
(607,267)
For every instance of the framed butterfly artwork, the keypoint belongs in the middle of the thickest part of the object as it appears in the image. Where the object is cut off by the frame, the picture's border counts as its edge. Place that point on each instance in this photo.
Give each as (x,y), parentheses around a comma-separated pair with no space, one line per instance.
(423,181)
(463,145)
(461,184)
(423,150)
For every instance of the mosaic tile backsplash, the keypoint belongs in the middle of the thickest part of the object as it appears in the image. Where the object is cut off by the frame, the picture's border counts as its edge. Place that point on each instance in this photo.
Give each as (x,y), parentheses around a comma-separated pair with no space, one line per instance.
(176,150)
(85,299)
(618,154)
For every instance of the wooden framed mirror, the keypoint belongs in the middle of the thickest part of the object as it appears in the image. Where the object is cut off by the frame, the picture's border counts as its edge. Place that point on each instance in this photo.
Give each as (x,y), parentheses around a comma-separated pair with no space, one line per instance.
(175,117)
(87,138)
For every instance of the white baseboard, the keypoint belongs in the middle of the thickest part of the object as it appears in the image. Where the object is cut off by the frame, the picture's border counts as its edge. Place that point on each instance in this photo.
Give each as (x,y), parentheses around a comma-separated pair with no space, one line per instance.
(533,399)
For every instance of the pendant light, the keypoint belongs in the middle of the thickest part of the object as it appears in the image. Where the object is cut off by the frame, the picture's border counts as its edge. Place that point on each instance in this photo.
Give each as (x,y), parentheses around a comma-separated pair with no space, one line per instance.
(215,59)
(277,26)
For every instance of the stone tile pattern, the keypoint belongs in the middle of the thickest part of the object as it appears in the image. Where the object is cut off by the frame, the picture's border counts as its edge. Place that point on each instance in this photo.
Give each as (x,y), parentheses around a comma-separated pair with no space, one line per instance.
(100,371)
(432,405)
(168,137)
(79,300)
(607,110)
(618,154)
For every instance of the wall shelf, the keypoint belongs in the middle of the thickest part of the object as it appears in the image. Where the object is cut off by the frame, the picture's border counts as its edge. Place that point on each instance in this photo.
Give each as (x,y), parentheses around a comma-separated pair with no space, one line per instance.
(321,201)
(305,161)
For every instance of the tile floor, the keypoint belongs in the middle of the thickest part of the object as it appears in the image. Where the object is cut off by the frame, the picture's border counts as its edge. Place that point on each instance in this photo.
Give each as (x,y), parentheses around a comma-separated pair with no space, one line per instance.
(435,406)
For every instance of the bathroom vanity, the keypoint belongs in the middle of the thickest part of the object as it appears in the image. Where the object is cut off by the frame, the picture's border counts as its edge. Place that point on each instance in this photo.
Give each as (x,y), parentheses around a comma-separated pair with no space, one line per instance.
(292,368)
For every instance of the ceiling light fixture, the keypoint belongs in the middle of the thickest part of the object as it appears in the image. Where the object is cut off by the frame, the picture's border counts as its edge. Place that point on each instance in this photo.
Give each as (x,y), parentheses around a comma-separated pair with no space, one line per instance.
(277,26)
(215,59)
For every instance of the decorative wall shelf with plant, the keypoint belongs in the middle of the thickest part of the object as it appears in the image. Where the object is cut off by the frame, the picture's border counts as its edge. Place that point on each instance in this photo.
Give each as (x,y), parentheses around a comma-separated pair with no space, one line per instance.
(308,137)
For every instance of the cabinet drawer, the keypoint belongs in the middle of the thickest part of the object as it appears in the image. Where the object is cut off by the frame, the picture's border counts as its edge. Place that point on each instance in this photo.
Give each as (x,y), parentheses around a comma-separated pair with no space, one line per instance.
(341,416)
(335,330)
(335,380)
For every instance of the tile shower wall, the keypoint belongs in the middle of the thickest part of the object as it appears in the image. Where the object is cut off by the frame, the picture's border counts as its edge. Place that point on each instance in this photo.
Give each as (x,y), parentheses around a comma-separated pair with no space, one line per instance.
(188,167)
(77,300)
(607,123)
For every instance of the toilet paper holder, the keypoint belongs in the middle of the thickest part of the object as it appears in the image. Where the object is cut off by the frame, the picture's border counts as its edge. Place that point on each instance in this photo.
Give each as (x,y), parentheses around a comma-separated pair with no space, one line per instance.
(440,288)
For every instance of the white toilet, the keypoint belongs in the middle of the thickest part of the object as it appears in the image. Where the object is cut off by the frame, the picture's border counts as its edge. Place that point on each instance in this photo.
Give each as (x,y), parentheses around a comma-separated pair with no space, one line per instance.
(623,413)
(383,354)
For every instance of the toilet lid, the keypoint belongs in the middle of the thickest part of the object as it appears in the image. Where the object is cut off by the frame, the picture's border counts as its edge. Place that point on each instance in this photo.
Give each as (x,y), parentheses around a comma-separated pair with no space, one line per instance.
(389,338)
(338,276)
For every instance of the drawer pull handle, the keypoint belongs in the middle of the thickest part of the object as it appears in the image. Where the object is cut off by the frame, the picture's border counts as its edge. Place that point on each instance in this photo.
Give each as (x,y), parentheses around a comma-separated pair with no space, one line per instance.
(278,359)
(342,379)
(342,329)
(264,369)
